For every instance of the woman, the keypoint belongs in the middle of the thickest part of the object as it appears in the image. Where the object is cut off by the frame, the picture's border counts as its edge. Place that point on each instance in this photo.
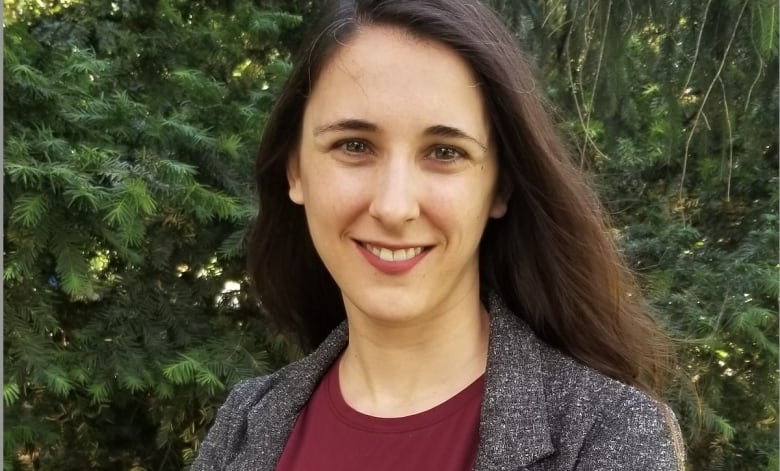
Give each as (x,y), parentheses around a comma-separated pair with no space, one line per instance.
(422,228)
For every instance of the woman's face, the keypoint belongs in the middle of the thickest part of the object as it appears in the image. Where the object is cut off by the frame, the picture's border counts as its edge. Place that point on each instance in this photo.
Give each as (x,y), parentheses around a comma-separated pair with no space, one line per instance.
(397,175)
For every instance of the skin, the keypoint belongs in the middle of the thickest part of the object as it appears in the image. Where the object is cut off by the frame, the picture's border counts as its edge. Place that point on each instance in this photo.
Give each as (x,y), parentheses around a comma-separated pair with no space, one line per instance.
(395,153)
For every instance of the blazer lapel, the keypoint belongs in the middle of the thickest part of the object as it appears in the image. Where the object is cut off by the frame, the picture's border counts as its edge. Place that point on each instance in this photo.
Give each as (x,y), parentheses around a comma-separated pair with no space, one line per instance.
(272,419)
(514,431)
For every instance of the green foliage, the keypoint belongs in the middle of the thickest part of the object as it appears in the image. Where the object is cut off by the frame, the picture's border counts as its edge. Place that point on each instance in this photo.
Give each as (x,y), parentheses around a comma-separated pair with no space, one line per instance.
(675,114)
(129,134)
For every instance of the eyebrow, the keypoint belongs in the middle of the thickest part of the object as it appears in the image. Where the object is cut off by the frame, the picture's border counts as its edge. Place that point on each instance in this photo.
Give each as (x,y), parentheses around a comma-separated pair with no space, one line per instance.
(449,131)
(346,125)
(362,125)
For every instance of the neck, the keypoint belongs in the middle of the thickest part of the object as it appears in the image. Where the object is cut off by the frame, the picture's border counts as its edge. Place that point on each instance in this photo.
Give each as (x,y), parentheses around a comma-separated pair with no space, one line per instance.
(394,370)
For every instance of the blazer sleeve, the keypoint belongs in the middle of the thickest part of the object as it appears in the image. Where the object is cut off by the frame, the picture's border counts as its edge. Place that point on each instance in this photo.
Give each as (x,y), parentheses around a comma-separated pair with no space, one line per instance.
(636,434)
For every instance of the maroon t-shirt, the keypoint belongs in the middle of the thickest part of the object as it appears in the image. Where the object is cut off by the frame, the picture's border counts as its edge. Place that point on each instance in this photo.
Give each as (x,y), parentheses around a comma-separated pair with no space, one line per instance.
(330,435)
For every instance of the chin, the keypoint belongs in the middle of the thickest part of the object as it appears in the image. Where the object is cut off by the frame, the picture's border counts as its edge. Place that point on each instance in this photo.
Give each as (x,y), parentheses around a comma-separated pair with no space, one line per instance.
(384,309)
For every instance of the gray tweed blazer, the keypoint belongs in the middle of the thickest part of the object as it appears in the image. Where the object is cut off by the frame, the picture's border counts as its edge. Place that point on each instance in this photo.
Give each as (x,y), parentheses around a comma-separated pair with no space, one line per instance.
(541,410)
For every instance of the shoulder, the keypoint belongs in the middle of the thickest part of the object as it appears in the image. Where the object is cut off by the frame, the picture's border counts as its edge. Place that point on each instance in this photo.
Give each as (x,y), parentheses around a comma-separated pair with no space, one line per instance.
(568,414)
(571,383)
(245,395)
(605,424)
(253,424)
(229,431)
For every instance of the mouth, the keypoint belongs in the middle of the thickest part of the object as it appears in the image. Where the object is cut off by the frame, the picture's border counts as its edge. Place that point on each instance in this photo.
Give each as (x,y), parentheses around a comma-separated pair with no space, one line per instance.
(393,255)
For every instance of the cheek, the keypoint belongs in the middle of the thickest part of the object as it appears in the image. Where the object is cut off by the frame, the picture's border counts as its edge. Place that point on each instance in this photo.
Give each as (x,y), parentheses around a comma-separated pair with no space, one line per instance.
(325,177)
(458,213)
(466,200)
(332,198)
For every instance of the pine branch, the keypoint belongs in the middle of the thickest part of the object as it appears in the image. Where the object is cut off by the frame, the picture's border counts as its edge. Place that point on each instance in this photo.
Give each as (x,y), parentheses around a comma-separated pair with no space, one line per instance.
(29,210)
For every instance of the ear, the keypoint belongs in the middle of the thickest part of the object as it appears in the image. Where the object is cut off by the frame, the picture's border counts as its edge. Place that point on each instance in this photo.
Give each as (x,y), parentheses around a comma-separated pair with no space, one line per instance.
(294,178)
(499,206)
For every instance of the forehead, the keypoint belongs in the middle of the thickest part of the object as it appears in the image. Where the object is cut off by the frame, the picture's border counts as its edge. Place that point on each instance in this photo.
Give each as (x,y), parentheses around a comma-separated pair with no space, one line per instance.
(388,72)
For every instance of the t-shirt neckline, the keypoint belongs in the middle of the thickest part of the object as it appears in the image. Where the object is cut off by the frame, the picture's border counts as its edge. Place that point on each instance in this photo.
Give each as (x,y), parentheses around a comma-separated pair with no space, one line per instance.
(358,420)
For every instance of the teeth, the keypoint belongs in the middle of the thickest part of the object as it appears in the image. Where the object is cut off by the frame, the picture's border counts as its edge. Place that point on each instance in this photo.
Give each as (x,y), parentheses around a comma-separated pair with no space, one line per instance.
(394,255)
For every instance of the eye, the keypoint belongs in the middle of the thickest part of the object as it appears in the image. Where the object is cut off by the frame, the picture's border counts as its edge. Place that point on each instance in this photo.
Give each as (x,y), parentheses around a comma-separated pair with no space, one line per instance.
(447,154)
(353,147)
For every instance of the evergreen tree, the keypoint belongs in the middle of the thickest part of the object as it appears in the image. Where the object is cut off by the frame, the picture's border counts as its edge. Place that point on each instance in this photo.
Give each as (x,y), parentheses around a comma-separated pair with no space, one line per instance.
(130,129)
(673,109)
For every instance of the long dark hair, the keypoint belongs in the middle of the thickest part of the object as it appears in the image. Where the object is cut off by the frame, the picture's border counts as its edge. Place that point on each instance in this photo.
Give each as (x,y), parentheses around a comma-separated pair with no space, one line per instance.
(551,257)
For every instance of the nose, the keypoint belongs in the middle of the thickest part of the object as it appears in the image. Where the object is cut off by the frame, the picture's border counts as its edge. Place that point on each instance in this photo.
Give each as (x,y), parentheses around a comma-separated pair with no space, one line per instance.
(395,193)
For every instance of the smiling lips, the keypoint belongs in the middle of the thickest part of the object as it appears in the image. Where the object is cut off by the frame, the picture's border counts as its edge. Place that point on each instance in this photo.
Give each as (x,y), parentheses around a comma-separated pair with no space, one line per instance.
(392,261)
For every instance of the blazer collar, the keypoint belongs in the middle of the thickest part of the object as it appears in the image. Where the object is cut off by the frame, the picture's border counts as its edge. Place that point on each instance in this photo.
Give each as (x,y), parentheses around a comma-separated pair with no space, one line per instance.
(514,431)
